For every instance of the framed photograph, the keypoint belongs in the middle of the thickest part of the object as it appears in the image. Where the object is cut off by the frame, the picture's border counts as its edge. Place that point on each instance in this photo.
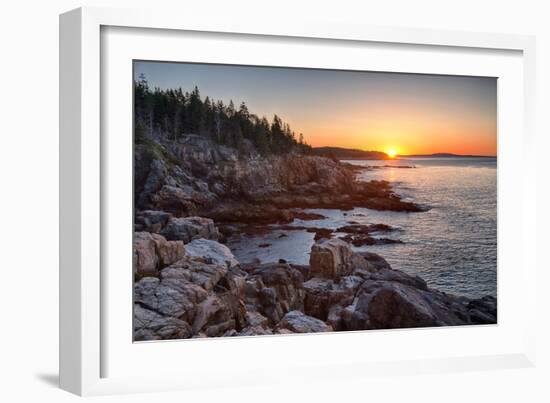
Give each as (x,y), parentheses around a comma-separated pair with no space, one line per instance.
(282,200)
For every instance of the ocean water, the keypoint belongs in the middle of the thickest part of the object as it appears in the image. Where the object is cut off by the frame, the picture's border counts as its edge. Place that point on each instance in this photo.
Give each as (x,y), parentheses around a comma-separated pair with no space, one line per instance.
(453,245)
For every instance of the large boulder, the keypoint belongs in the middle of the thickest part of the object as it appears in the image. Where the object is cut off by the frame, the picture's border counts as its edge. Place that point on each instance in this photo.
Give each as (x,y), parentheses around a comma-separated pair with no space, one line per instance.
(333,258)
(211,251)
(187,229)
(197,271)
(374,296)
(168,251)
(392,304)
(225,283)
(231,290)
(145,256)
(173,296)
(397,276)
(376,262)
(206,296)
(213,317)
(322,294)
(152,252)
(298,322)
(274,289)
(151,325)
(483,310)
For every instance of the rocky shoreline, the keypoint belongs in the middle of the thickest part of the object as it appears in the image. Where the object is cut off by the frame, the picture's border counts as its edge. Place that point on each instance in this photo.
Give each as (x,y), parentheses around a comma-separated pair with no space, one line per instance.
(194,176)
(191,194)
(200,290)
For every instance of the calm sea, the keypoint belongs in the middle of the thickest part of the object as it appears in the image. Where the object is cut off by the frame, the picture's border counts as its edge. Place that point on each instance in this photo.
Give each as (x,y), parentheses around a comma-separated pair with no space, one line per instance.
(453,246)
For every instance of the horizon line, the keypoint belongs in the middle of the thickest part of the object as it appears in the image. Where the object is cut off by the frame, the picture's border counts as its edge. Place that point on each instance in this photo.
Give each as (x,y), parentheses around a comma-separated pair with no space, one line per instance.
(409,155)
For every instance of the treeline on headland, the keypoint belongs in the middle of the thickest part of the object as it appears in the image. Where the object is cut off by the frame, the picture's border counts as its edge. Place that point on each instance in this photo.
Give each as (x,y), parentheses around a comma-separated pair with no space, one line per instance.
(173,113)
(349,153)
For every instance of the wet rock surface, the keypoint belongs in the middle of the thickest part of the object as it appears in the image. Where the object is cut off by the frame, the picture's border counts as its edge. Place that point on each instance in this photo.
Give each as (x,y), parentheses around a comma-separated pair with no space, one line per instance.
(362,239)
(360,235)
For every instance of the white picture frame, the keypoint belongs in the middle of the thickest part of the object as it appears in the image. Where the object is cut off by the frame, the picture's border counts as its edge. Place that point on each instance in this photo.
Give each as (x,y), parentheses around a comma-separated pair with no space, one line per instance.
(88,349)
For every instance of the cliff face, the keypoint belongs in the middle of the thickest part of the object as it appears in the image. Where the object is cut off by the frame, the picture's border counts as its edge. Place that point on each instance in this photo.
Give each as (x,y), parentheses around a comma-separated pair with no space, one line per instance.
(195,176)
(222,171)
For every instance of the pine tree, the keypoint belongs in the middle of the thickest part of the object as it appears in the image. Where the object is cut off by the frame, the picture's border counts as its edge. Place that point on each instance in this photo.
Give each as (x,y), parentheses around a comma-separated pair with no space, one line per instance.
(172,113)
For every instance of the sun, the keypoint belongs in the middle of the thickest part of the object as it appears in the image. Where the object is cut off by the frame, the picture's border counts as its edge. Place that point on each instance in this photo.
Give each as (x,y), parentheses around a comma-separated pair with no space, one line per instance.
(392,153)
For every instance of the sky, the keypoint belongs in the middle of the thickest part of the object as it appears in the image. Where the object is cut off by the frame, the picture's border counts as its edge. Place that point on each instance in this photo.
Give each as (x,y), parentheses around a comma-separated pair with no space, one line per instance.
(406,113)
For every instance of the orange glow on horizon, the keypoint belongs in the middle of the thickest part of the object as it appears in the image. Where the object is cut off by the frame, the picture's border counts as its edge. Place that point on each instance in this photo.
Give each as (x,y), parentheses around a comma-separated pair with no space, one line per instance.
(417,130)
(366,110)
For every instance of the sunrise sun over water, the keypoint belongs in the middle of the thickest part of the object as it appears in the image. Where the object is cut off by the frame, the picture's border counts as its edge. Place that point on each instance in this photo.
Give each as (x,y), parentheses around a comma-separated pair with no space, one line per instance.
(395,113)
(273,200)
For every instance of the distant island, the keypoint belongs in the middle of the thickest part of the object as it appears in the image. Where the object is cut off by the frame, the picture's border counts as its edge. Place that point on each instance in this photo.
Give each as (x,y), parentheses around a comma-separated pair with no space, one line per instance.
(349,153)
(445,155)
(354,153)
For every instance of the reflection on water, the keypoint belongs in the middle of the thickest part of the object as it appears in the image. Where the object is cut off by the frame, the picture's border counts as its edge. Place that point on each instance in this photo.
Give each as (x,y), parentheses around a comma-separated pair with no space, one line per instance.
(452,246)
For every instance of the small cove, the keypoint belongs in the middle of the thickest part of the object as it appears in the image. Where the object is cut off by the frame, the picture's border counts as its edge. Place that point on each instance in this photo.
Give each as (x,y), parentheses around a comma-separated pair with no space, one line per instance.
(453,245)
